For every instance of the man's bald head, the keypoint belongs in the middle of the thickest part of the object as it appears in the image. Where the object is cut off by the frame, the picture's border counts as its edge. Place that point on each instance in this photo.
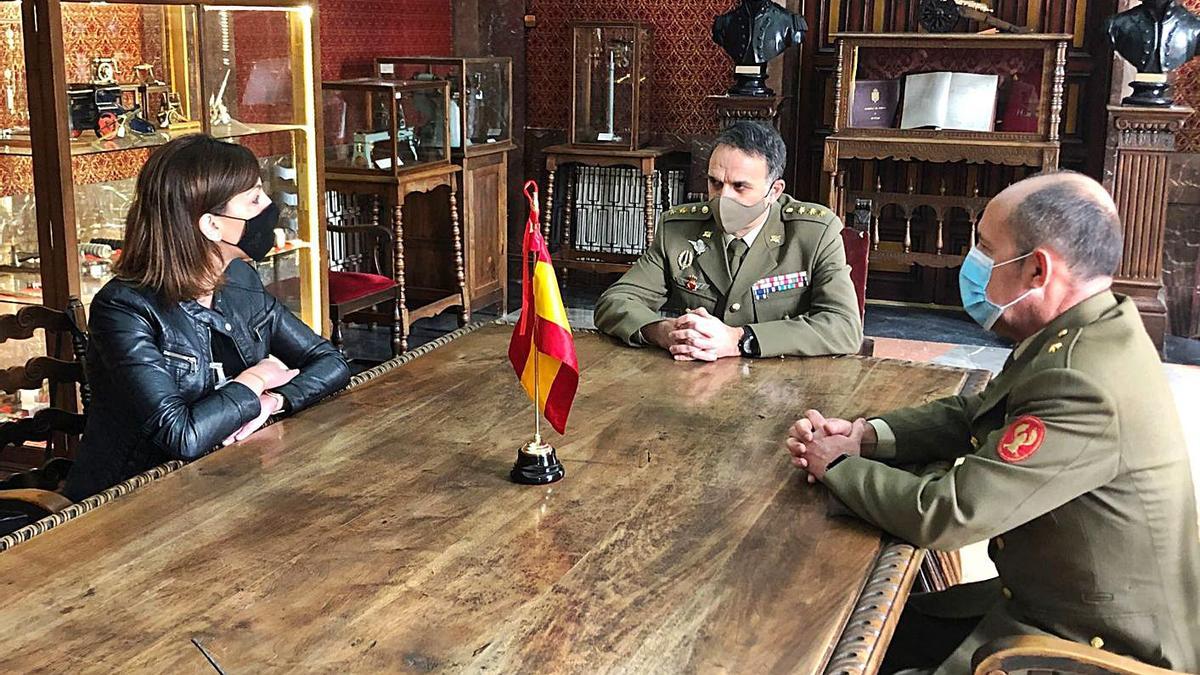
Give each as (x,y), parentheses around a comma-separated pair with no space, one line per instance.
(1069,213)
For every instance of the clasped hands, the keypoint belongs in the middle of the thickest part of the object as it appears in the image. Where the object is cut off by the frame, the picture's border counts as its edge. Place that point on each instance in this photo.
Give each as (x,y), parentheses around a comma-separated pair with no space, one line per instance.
(262,377)
(814,441)
(695,336)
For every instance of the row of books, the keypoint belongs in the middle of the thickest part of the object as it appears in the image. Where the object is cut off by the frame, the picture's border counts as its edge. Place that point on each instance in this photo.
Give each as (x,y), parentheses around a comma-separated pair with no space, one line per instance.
(945,100)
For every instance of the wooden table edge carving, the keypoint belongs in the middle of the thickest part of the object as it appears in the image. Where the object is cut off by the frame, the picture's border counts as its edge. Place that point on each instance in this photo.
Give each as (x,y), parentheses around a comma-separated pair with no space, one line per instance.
(869,628)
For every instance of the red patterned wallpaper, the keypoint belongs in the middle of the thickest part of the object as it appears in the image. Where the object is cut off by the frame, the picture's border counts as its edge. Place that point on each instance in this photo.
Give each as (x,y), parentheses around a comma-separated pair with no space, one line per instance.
(687,66)
(354,32)
(1187,90)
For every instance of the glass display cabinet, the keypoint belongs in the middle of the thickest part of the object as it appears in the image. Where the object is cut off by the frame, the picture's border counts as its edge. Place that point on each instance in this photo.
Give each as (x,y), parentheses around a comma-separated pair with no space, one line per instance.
(79,117)
(480,95)
(610,79)
(480,140)
(373,125)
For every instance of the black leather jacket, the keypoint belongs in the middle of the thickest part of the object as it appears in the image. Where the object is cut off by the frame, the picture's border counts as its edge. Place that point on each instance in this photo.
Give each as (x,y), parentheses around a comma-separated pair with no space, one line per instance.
(154,394)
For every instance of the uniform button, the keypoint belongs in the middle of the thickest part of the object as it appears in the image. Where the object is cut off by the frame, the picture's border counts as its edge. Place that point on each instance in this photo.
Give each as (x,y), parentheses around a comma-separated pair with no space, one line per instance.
(735,306)
(999,543)
(228,327)
(1097,643)
(788,210)
(1007,593)
(703,209)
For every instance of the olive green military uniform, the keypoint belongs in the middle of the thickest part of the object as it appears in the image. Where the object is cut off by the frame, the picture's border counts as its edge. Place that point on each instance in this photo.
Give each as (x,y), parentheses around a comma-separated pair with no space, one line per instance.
(1074,465)
(793,288)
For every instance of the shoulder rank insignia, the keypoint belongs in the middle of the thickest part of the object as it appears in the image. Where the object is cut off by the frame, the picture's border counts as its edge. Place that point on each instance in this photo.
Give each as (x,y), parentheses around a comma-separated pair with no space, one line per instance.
(1022,439)
(685,259)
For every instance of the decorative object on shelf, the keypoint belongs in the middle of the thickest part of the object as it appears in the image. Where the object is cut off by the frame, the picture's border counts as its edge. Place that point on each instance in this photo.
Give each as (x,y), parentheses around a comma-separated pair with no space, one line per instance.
(874,104)
(752,34)
(941,16)
(218,112)
(104,71)
(610,83)
(1155,37)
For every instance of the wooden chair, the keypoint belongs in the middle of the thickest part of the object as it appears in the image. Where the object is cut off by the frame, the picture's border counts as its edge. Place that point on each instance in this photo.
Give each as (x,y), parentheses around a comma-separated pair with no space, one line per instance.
(1043,654)
(31,493)
(362,281)
(857,242)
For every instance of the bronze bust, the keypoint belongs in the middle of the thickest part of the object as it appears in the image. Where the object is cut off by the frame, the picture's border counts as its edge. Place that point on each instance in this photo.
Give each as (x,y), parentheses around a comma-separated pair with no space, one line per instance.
(752,34)
(1156,37)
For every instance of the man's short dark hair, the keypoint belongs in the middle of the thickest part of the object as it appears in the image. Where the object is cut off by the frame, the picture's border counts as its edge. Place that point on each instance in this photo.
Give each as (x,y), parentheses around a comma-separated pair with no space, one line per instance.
(757,139)
(1065,216)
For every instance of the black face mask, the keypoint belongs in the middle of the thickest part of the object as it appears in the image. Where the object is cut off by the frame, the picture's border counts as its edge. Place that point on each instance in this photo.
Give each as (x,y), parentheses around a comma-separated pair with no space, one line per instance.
(258,236)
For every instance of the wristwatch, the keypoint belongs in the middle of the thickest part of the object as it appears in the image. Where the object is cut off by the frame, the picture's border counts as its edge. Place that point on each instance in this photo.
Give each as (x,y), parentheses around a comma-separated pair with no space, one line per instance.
(748,344)
(836,460)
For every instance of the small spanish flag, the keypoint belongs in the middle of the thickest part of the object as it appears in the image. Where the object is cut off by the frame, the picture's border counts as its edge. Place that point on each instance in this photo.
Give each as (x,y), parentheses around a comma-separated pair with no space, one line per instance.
(543,332)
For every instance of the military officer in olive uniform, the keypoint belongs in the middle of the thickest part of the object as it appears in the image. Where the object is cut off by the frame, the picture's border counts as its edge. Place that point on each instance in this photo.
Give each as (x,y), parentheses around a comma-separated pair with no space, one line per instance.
(754,272)
(1072,461)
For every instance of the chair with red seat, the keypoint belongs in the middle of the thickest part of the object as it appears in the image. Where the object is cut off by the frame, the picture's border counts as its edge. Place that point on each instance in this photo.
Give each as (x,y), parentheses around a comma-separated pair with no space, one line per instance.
(362,282)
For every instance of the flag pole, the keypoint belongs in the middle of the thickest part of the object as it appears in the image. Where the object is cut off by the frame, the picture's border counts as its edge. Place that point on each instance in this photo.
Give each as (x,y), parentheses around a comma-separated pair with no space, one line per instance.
(537,380)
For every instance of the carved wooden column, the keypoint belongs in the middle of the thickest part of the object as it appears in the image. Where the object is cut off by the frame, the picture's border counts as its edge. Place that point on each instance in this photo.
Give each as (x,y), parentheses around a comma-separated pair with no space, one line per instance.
(1140,143)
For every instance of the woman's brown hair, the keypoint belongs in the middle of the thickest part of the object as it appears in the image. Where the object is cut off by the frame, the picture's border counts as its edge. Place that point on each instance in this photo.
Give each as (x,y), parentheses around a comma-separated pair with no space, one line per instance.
(183,180)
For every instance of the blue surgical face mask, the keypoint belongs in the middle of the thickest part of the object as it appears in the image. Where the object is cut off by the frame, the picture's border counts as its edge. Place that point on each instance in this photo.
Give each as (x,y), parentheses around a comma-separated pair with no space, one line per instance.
(973,280)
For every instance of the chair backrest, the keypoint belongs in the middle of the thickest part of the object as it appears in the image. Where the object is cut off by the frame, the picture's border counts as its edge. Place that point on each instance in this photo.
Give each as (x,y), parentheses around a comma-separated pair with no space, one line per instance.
(54,425)
(858,248)
(358,241)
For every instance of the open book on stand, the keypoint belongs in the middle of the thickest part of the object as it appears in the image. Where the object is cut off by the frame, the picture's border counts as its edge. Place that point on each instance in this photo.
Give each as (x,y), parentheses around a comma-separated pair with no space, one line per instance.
(962,101)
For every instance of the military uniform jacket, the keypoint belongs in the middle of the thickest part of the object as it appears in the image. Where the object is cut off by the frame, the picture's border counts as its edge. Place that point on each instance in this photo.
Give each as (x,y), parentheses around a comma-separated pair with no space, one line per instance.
(1074,465)
(793,288)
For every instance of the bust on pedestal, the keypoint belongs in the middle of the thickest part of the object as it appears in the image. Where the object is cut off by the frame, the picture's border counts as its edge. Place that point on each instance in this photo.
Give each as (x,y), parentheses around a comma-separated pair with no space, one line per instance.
(752,34)
(1156,37)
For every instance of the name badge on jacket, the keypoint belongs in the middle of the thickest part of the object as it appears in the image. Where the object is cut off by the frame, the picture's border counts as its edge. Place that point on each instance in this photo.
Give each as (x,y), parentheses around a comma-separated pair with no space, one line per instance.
(780,282)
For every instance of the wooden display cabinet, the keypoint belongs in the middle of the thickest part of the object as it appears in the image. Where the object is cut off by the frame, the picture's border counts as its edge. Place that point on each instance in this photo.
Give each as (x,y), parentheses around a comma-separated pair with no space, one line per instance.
(480,140)
(72,141)
(610,84)
(387,140)
(1034,62)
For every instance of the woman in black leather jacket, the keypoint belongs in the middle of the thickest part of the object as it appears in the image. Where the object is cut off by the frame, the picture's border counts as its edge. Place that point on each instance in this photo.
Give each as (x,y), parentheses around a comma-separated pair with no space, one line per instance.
(188,351)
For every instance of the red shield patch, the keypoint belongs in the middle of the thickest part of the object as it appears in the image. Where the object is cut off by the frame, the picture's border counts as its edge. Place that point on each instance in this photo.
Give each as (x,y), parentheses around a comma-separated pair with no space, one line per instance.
(1022,439)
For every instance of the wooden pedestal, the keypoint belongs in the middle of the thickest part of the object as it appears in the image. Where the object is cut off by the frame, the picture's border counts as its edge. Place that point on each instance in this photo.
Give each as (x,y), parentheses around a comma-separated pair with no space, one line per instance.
(732,109)
(1140,143)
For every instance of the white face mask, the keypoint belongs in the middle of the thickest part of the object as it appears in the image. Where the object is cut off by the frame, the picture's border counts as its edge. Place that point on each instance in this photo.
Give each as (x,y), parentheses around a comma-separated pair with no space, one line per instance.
(734,216)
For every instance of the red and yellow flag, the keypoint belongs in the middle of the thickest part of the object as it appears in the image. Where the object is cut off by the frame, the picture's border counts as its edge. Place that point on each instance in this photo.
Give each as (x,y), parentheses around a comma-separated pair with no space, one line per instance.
(543,332)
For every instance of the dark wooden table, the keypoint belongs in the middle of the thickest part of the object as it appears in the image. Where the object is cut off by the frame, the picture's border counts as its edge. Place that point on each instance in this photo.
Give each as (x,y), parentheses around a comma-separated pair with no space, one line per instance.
(378,532)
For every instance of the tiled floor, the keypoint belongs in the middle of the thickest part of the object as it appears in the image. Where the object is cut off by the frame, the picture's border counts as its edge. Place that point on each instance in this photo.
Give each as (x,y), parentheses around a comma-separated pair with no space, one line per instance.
(900,333)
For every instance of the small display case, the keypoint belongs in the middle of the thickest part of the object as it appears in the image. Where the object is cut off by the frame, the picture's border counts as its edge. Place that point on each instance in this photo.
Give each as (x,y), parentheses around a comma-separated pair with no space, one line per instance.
(610,78)
(378,126)
(480,96)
